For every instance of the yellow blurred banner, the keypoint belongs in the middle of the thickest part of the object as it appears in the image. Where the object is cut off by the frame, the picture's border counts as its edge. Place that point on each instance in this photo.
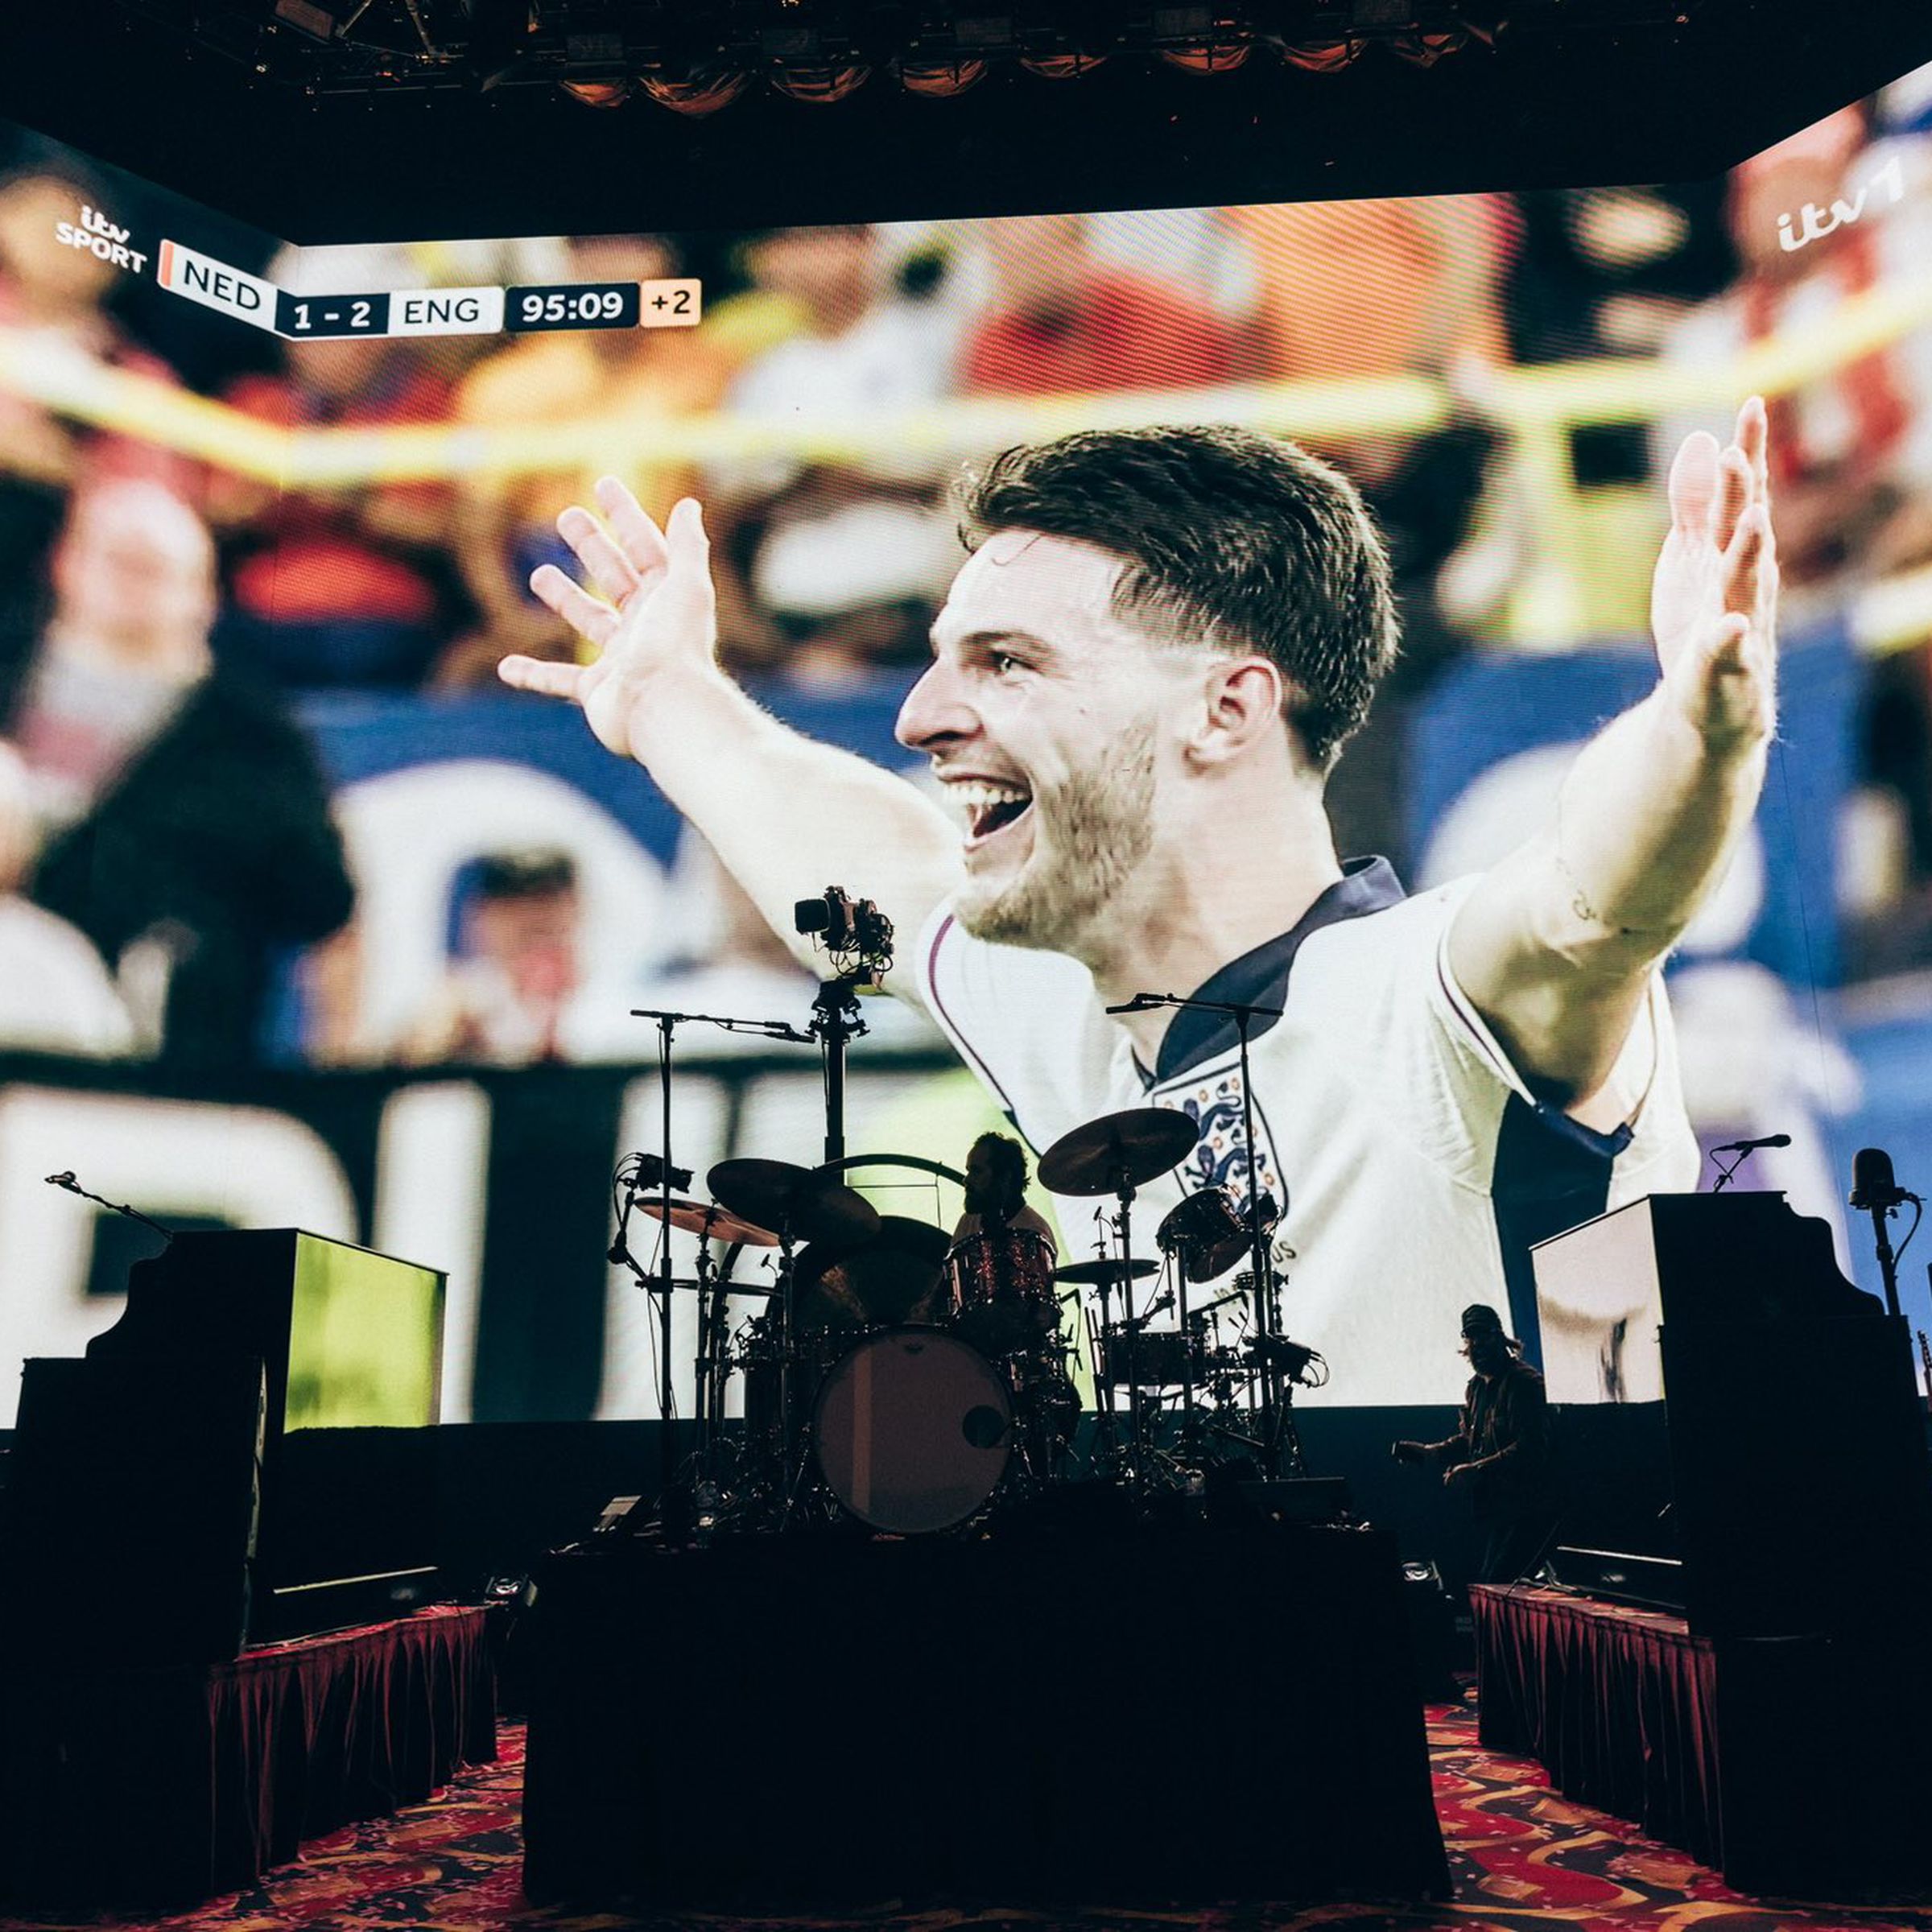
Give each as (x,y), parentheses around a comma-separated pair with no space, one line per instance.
(36,368)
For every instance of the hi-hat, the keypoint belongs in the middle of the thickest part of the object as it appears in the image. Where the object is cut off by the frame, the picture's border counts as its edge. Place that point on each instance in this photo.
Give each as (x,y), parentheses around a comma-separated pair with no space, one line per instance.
(707,1218)
(802,1202)
(1117,1151)
(1094,1275)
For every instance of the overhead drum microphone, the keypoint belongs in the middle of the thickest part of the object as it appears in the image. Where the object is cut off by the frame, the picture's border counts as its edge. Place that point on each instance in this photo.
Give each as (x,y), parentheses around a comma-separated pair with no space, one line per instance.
(1874,1189)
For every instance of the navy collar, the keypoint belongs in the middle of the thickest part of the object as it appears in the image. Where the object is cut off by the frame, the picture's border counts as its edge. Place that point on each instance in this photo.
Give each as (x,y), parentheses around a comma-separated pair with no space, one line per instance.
(1260,977)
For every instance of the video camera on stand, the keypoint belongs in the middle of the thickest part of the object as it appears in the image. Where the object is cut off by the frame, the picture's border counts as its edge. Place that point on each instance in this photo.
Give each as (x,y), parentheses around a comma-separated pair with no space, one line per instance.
(854,931)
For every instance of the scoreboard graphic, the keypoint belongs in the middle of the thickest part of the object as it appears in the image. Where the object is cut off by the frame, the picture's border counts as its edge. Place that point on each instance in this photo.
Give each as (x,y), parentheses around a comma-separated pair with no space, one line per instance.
(673,303)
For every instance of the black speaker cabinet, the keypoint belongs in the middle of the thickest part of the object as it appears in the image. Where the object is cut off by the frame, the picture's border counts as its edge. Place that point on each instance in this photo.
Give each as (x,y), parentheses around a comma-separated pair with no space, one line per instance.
(1803,1503)
(133,1507)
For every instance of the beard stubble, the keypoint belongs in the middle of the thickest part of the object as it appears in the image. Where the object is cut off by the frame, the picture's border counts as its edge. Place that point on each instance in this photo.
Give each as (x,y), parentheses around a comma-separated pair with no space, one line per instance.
(1091,831)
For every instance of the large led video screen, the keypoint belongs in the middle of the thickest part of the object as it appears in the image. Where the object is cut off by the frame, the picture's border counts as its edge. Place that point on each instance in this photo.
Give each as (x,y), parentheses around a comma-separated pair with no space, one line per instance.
(1356,616)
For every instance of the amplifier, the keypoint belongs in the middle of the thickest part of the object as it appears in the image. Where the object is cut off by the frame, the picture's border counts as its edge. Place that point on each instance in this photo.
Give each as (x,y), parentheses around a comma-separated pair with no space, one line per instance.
(1651,1583)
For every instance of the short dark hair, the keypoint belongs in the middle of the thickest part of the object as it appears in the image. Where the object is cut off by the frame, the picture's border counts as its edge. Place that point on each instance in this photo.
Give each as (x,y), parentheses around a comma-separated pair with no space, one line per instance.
(525,874)
(1009,1158)
(1244,539)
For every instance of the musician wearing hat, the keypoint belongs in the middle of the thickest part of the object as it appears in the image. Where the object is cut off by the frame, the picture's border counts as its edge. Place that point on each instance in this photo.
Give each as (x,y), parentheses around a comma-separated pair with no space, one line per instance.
(1500,1454)
(1143,677)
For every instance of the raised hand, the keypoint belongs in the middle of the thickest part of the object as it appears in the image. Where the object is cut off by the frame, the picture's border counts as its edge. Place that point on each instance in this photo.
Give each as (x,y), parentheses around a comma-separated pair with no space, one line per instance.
(1714,596)
(657,611)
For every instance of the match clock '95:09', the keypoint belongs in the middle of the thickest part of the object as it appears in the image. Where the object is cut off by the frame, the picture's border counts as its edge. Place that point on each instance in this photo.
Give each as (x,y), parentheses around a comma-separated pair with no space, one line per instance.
(572,305)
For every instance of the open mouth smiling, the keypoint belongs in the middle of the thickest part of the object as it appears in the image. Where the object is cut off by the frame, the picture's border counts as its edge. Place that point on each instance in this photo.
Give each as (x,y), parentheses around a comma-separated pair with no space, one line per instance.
(990,808)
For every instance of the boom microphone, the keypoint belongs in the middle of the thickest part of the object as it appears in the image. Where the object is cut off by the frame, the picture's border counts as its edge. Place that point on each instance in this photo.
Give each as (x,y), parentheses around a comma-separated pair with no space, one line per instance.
(1768,1140)
(61,1180)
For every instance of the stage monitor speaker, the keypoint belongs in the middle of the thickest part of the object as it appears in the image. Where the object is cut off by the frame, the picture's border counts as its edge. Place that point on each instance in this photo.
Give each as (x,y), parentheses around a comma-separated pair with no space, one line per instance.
(1650,1582)
(1305,1499)
(134,1509)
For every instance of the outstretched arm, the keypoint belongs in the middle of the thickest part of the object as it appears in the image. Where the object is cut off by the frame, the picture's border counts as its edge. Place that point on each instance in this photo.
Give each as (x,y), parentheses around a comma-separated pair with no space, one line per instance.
(786,816)
(1555,947)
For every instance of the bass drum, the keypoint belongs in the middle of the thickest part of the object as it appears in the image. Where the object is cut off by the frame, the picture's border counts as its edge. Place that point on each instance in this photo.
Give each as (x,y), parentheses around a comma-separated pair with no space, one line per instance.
(913,1429)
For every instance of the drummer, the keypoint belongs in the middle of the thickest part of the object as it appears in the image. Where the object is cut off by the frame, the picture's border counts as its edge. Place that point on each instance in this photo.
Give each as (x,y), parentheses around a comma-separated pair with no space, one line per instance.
(996,1191)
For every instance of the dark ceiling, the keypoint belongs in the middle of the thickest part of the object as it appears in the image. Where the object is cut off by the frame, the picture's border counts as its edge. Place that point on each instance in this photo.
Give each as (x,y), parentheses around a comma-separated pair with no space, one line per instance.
(1675,100)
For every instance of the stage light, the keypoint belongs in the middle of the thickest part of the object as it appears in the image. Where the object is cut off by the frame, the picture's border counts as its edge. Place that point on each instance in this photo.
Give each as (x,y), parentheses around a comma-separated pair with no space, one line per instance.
(940,79)
(1201,39)
(1206,56)
(1425,49)
(1321,56)
(597,93)
(695,57)
(1060,67)
(697,91)
(820,84)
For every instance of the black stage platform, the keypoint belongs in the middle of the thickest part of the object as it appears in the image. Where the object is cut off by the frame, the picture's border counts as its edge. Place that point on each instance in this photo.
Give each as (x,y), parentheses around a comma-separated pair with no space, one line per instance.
(1110,1712)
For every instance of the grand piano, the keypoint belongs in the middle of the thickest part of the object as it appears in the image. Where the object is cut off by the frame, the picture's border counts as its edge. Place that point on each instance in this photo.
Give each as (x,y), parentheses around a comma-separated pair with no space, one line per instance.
(1803,1493)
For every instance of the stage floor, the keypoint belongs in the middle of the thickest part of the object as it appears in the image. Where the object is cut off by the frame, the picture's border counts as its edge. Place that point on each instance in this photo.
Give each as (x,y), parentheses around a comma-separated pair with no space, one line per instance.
(1521,1857)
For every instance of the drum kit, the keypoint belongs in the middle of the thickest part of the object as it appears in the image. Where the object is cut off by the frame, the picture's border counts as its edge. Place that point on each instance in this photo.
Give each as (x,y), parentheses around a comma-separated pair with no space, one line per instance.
(909,1382)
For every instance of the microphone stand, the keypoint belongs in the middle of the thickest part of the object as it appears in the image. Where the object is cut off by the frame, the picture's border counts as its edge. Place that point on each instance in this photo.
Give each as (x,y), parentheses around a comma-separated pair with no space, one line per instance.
(1245,1014)
(835,1023)
(1726,1176)
(1881,1211)
(667,1022)
(70,1186)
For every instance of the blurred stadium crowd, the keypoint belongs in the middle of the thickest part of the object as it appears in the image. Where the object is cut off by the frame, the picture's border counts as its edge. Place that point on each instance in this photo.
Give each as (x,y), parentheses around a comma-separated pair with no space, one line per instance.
(169,848)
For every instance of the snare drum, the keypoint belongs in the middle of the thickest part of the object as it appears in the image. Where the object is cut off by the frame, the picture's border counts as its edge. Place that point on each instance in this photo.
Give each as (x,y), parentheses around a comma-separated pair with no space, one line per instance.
(1003,1286)
(913,1429)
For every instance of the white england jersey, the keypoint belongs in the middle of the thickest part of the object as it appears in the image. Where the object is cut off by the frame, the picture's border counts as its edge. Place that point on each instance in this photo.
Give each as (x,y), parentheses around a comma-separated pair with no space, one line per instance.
(1414,1165)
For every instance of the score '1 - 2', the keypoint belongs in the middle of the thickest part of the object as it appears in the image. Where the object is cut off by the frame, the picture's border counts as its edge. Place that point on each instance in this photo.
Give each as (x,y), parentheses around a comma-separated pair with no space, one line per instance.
(331,315)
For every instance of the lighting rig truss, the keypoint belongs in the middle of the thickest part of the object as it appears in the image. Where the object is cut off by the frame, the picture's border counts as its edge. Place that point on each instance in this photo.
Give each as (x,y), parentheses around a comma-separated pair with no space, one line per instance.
(697,55)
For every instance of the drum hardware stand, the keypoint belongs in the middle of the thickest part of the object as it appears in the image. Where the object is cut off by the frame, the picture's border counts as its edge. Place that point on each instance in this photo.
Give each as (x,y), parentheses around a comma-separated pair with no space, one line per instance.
(657,1170)
(1180,1292)
(1106,1446)
(714,1360)
(1136,1414)
(1291,1361)
(793,1429)
(1244,1016)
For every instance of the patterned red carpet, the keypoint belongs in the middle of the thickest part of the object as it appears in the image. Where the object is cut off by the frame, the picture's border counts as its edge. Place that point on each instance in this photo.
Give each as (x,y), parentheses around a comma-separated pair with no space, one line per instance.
(1523,1858)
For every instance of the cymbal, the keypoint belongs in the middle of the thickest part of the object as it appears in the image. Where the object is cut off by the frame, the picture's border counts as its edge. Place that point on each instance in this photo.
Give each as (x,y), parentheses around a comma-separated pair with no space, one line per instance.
(1118,1150)
(1091,1274)
(707,1217)
(804,1202)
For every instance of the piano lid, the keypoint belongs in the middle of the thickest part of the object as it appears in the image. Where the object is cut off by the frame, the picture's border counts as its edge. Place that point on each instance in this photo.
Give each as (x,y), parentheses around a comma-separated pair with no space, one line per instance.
(1732,1257)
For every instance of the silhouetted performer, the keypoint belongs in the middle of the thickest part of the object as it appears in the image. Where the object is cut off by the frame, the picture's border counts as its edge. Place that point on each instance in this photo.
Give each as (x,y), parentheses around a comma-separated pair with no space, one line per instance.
(1500,1452)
